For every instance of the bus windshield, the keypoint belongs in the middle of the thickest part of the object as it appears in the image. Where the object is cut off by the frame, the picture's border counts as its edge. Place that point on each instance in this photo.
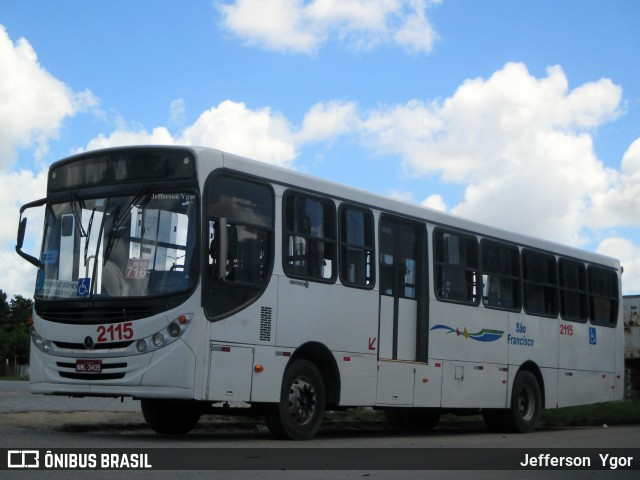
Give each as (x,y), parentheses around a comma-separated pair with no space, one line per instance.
(138,245)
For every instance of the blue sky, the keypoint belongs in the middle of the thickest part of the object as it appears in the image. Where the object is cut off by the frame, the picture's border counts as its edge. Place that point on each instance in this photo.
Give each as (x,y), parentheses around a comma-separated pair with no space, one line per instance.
(521,114)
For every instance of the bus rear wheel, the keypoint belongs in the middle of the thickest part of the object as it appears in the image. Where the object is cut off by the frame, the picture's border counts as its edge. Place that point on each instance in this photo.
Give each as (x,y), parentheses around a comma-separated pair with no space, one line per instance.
(525,410)
(170,417)
(299,414)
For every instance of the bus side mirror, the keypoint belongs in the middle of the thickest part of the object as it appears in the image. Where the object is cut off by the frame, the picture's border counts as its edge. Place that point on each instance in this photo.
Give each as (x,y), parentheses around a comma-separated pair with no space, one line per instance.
(22,228)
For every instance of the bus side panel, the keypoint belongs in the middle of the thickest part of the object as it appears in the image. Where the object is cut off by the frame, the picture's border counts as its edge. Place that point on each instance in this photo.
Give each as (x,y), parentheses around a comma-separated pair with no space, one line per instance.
(467,333)
(472,343)
(584,346)
(344,319)
(587,371)
(266,384)
(427,391)
(395,383)
(358,378)
(576,387)
(255,324)
(533,339)
(474,385)
(230,373)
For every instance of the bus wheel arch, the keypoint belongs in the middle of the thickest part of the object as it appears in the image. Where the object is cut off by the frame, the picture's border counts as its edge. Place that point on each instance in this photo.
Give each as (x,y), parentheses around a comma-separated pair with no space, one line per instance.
(526,402)
(323,359)
(300,410)
(310,383)
(532,367)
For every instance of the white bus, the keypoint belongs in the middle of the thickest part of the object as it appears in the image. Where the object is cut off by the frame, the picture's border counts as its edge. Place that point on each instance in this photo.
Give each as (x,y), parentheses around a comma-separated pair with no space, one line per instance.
(190,278)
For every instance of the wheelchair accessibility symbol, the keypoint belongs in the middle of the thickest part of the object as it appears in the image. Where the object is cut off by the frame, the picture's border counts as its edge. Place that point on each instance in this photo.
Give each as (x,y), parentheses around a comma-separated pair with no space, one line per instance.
(592,336)
(84,287)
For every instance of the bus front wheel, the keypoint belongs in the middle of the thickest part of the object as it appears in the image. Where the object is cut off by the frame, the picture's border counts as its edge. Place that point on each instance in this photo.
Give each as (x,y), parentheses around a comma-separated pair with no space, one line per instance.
(299,413)
(170,417)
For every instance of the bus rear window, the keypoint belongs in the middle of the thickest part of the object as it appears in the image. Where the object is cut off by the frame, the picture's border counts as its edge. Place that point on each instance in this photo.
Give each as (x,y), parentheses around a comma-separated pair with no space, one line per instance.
(603,296)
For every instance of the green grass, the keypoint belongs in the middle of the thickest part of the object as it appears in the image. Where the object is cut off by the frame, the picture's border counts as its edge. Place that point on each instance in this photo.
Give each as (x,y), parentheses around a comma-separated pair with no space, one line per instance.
(615,413)
(12,377)
(625,412)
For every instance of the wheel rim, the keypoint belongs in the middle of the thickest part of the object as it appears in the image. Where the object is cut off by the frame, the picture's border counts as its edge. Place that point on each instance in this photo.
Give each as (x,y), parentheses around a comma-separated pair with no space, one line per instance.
(302,400)
(526,403)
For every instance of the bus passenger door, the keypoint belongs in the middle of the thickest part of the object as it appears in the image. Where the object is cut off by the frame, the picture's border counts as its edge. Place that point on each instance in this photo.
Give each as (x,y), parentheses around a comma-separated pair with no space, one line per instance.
(403,295)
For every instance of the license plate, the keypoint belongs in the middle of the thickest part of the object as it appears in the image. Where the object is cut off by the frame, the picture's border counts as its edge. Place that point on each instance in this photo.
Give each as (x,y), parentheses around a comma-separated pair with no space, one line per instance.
(88,366)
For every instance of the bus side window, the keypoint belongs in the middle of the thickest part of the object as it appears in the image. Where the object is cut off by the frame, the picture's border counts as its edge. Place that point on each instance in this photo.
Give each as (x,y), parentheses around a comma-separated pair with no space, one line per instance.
(456,262)
(573,291)
(310,241)
(540,284)
(500,275)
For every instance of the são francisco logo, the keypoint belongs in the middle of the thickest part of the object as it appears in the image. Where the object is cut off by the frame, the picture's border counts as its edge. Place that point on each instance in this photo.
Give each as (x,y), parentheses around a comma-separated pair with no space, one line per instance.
(484,335)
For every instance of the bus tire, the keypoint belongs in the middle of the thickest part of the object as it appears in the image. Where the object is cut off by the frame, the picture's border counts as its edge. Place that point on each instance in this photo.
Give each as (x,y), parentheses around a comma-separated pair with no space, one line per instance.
(299,414)
(526,403)
(525,410)
(170,417)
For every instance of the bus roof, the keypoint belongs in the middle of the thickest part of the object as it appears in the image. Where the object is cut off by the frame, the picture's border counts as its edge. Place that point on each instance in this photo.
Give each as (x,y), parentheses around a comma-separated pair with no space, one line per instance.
(317,185)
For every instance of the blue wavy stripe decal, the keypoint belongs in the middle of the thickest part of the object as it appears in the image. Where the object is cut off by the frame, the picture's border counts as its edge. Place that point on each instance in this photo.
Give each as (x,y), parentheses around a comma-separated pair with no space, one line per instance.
(443,327)
(484,335)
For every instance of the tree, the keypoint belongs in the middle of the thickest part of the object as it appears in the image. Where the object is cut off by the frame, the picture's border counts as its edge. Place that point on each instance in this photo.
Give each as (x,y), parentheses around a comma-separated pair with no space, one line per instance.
(4,308)
(14,331)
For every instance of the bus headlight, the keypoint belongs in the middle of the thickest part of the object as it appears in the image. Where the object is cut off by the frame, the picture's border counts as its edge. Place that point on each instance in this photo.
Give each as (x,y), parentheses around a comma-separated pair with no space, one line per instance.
(141,346)
(158,339)
(174,330)
(166,336)
(42,343)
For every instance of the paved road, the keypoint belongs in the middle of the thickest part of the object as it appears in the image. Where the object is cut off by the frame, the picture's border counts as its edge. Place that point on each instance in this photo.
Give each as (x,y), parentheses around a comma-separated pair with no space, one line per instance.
(15,397)
(30,421)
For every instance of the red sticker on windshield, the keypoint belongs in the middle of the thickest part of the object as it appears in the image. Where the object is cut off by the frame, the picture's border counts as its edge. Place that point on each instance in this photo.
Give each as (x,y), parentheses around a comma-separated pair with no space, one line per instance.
(137,268)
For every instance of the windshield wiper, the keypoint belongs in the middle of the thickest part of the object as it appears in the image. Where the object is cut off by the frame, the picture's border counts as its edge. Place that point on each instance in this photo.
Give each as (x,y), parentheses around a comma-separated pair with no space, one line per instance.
(74,200)
(88,235)
(120,217)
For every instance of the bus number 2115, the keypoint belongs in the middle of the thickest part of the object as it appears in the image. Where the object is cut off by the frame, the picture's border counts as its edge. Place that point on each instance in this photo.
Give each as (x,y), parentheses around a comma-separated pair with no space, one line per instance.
(117,332)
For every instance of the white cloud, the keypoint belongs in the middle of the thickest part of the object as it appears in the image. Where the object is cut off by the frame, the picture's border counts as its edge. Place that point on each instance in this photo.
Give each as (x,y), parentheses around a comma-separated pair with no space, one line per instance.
(177,111)
(18,276)
(520,144)
(620,203)
(326,121)
(138,136)
(435,202)
(261,134)
(629,255)
(303,27)
(33,104)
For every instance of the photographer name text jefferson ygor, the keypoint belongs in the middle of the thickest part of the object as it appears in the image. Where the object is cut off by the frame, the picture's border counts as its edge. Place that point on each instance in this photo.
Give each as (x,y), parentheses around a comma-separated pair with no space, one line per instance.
(546,460)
